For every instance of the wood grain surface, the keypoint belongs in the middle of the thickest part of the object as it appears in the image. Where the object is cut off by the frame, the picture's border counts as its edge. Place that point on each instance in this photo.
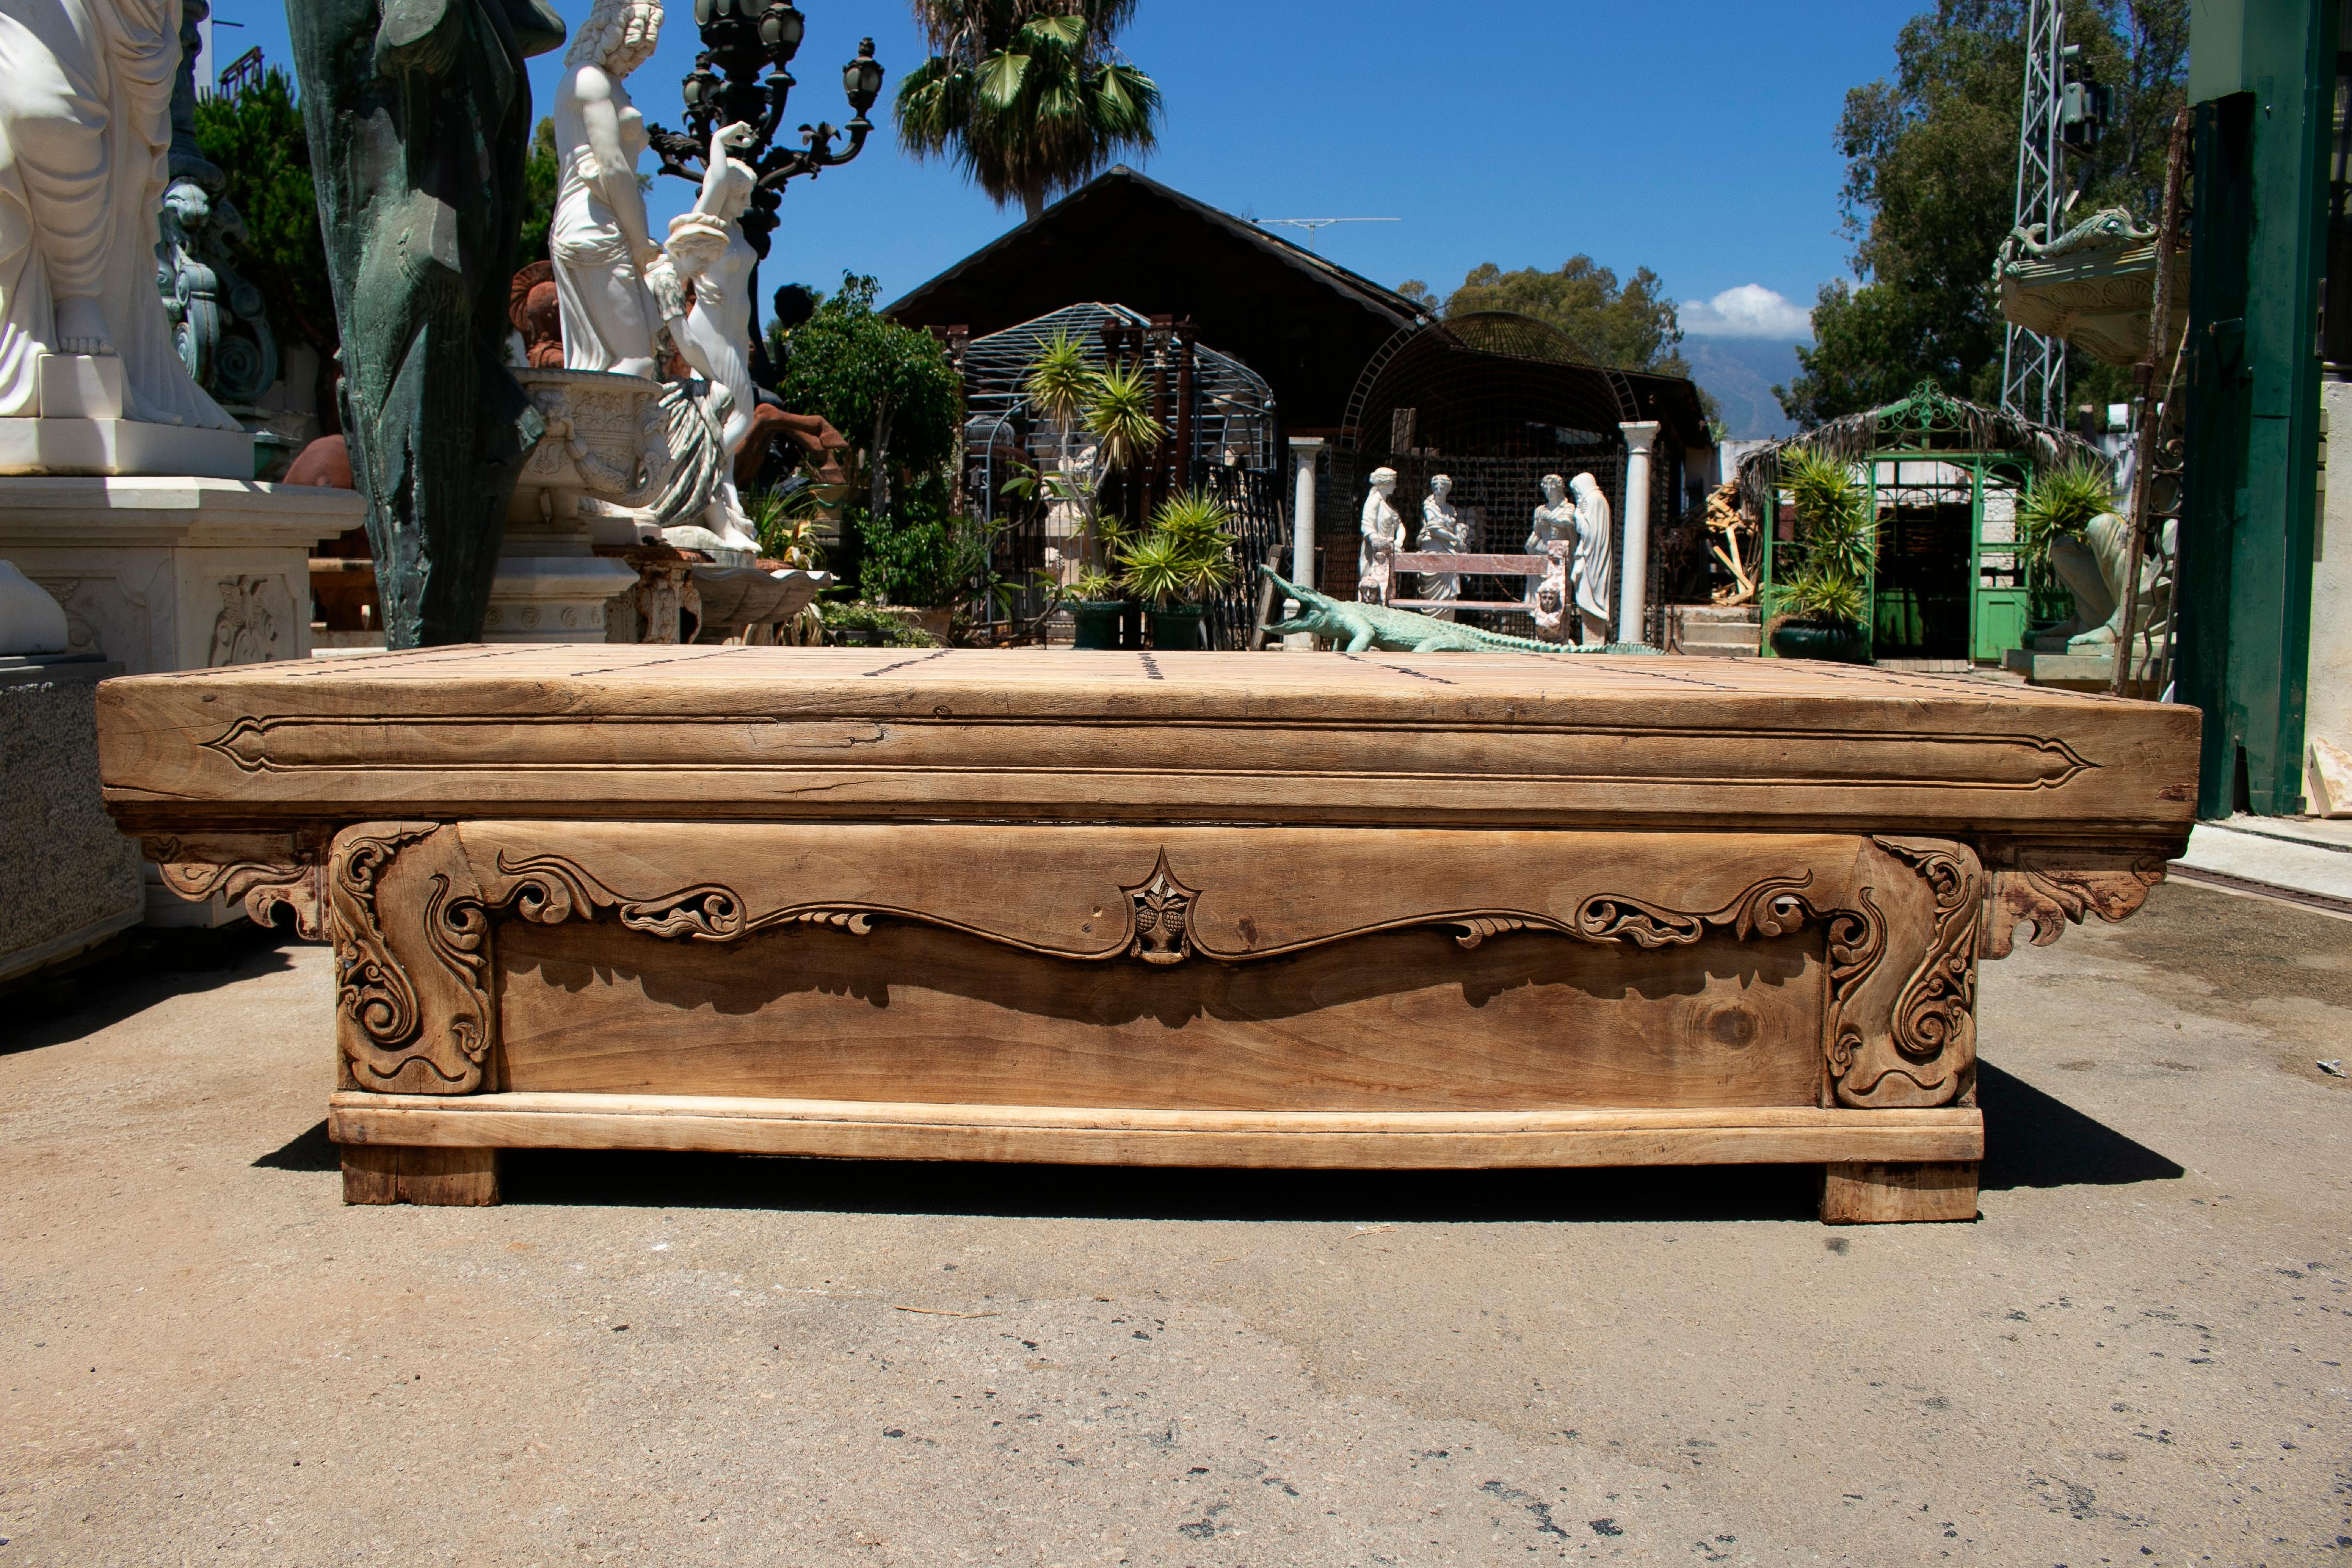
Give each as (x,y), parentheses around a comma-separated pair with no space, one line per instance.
(879,734)
(1402,1019)
(1877,1191)
(1294,1139)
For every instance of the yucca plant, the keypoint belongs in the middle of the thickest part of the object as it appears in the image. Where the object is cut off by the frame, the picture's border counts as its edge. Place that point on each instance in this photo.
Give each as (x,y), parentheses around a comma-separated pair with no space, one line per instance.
(1824,597)
(1834,520)
(1060,382)
(1186,554)
(1823,610)
(1118,416)
(1095,587)
(2061,503)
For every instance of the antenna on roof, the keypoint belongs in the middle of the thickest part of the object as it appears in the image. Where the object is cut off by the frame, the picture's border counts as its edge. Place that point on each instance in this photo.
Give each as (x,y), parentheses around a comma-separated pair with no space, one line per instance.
(1311,224)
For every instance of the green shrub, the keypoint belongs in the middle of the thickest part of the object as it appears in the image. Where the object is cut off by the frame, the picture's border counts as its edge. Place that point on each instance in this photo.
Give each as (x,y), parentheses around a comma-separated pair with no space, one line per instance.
(841,616)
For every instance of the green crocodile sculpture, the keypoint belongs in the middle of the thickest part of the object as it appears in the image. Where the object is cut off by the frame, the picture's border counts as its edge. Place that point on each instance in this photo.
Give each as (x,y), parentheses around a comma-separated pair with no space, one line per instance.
(1357,628)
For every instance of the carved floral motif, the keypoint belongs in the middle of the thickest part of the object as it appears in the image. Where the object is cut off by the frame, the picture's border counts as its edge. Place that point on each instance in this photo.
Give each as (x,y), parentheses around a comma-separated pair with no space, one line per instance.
(1163,907)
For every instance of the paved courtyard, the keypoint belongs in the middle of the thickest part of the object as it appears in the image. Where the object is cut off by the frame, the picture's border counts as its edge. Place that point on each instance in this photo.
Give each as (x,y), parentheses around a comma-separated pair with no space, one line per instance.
(2136,1356)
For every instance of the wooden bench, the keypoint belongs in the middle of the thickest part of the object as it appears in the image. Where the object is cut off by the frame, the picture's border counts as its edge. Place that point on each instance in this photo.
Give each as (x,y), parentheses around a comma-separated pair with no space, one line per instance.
(1432,910)
(1430,563)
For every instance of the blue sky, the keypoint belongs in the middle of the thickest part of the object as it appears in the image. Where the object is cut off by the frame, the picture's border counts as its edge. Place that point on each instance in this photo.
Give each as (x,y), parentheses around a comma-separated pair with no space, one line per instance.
(1694,139)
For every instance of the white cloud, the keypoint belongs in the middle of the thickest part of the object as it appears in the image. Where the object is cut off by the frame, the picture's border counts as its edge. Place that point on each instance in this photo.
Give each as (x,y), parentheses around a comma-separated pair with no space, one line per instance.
(1751,311)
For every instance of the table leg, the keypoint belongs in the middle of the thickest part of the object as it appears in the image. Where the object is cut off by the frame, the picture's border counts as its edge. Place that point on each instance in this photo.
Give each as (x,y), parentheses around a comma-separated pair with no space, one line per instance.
(1860,1193)
(393,1173)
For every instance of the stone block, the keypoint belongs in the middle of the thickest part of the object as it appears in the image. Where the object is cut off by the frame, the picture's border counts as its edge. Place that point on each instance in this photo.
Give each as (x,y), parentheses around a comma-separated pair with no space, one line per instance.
(68,878)
(80,386)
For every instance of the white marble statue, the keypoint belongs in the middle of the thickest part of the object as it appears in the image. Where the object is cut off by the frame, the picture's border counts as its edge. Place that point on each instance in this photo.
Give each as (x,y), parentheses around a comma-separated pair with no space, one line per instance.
(1551,609)
(85,122)
(1592,567)
(601,240)
(706,248)
(1555,521)
(1443,533)
(1382,528)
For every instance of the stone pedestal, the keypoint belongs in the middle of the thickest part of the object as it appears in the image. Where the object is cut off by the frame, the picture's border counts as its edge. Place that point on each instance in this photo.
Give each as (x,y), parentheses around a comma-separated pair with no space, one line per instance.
(602,457)
(80,430)
(169,573)
(552,586)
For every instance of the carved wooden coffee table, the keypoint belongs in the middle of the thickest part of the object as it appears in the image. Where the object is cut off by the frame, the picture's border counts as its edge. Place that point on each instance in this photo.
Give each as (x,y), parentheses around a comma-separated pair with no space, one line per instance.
(1303,909)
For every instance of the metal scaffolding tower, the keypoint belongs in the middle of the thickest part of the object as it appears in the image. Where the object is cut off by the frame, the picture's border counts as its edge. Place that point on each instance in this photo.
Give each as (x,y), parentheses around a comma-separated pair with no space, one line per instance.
(2032,367)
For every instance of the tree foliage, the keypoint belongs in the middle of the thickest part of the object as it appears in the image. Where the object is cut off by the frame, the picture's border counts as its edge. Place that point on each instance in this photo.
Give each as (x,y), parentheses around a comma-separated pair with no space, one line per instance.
(1030,98)
(888,389)
(258,140)
(1630,326)
(895,397)
(1931,170)
(542,173)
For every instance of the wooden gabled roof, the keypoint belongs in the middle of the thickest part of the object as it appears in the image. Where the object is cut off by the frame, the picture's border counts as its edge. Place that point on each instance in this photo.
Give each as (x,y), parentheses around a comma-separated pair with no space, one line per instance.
(1303,321)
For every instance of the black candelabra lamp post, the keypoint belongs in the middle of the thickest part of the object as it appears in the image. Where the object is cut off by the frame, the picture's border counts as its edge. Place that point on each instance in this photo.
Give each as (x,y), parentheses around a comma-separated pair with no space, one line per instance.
(743,76)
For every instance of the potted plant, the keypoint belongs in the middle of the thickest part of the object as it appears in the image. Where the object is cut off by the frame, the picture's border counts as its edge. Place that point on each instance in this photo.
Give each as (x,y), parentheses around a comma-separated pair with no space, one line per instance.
(1186,554)
(1824,610)
(1097,607)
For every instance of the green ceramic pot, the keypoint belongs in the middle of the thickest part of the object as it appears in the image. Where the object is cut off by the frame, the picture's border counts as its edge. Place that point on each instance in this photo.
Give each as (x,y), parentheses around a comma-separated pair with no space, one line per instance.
(1177,627)
(1096,621)
(1840,642)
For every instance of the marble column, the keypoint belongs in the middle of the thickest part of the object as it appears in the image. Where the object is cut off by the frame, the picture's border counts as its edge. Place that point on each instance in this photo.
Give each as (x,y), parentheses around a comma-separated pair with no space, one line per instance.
(1304,451)
(1633,565)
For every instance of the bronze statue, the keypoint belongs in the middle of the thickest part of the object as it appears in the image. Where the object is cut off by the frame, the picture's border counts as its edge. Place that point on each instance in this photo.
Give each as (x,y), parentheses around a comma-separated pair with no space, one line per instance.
(419,119)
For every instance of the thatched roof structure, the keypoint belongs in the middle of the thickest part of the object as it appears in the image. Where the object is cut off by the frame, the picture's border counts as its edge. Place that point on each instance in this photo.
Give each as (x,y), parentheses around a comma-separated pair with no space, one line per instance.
(1930,422)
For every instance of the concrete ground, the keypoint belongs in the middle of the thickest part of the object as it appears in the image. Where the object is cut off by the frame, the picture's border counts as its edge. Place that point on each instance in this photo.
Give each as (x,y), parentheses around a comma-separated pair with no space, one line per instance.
(2136,1356)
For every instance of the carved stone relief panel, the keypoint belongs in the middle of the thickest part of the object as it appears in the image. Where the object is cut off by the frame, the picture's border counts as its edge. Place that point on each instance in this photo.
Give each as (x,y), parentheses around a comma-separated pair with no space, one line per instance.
(254,623)
(107,612)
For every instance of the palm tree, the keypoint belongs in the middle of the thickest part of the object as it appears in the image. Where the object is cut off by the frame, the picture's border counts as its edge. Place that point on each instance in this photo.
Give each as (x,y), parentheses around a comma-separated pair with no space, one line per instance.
(1030,96)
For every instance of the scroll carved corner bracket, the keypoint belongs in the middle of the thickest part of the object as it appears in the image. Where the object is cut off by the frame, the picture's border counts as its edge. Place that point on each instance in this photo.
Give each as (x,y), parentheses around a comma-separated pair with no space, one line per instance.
(264,872)
(2049,900)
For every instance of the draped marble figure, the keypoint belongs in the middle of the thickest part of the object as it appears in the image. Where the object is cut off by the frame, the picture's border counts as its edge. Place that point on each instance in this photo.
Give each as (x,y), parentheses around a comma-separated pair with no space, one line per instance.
(84,124)
(1554,523)
(1591,568)
(1443,533)
(600,239)
(706,248)
(419,118)
(1382,527)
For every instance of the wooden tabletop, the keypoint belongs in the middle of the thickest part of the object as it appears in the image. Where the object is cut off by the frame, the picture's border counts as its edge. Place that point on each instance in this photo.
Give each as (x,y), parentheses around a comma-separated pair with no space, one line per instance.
(1436,739)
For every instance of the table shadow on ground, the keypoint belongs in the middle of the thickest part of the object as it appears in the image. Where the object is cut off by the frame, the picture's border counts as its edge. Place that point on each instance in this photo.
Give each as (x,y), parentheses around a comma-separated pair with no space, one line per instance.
(132,973)
(2031,1140)
(2036,1140)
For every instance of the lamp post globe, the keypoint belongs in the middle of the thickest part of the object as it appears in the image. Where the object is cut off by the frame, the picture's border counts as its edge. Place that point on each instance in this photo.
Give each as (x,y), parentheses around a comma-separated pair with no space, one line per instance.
(861,79)
(781,29)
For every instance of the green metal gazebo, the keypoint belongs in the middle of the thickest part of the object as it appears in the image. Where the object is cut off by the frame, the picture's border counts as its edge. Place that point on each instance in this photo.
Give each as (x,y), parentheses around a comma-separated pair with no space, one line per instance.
(1944,475)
